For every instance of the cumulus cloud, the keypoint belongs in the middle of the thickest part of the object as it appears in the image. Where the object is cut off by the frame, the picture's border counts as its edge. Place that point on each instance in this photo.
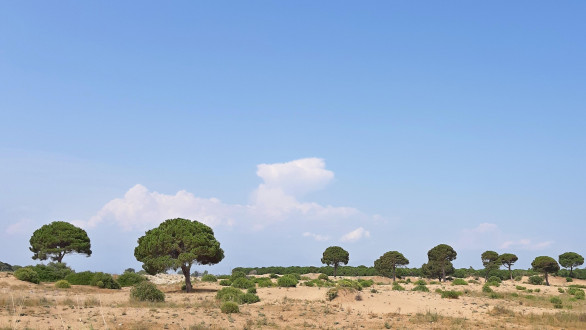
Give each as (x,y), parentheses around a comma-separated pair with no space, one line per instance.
(355,235)
(274,200)
(490,236)
(317,237)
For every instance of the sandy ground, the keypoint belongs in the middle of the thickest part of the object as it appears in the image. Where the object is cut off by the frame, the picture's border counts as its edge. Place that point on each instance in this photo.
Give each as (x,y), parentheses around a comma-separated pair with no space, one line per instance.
(24,305)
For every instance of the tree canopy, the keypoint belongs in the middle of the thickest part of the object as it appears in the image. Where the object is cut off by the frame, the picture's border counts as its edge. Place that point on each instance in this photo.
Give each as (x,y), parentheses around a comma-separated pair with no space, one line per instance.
(178,244)
(57,239)
(334,256)
(571,260)
(508,259)
(441,256)
(490,261)
(387,264)
(545,265)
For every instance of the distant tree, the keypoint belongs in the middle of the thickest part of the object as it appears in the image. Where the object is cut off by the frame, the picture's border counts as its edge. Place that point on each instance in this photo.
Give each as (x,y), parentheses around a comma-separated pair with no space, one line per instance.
(508,259)
(178,244)
(490,261)
(334,256)
(387,264)
(545,265)
(57,239)
(441,257)
(571,260)
(129,270)
(433,269)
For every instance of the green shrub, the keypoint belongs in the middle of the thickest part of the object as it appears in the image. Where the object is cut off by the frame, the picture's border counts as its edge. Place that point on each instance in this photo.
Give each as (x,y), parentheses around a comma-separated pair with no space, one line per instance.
(225,282)
(537,290)
(346,283)
(129,270)
(130,279)
(242,283)
(487,289)
(209,278)
(62,284)
(569,279)
(83,278)
(560,290)
(451,294)
(520,288)
(323,277)
(236,275)
(420,287)
(580,295)
(494,295)
(263,282)
(251,290)
(436,282)
(459,281)
(52,272)
(398,287)
(104,281)
(536,280)
(230,294)
(420,282)
(557,302)
(530,290)
(474,282)
(27,274)
(494,279)
(223,277)
(366,283)
(518,278)
(229,307)
(309,283)
(249,298)
(146,291)
(273,275)
(294,275)
(497,284)
(332,293)
(287,281)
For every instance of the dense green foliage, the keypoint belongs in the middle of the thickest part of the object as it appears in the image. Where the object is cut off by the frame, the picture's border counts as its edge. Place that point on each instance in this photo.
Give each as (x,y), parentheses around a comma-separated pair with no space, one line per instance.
(178,244)
(27,274)
(243,283)
(57,239)
(104,281)
(4,267)
(229,307)
(209,278)
(440,261)
(508,260)
(387,264)
(287,281)
(459,281)
(546,265)
(535,280)
(82,278)
(52,271)
(571,260)
(62,284)
(490,261)
(146,291)
(130,279)
(237,296)
(334,256)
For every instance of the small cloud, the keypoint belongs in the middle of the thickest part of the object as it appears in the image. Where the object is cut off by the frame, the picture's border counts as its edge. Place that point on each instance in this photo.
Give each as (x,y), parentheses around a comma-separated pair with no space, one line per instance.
(317,237)
(526,244)
(355,235)
(296,177)
(20,227)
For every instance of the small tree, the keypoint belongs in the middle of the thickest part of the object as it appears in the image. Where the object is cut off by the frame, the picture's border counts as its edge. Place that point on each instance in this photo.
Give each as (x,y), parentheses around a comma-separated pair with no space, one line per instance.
(545,265)
(490,261)
(571,260)
(334,256)
(508,259)
(178,244)
(387,264)
(442,257)
(57,239)
(433,269)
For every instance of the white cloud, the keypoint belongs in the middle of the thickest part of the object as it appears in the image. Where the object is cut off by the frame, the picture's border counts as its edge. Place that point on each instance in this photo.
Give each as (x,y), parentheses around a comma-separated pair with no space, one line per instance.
(274,200)
(355,235)
(526,244)
(20,227)
(317,237)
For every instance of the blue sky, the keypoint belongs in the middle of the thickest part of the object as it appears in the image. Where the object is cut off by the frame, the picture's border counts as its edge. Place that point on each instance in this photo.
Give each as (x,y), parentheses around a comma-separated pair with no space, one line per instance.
(292,126)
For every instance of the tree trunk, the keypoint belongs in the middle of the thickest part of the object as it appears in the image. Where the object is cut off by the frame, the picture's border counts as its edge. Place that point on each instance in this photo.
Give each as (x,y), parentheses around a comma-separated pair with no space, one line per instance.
(444,273)
(571,267)
(60,257)
(546,280)
(186,272)
(394,272)
(511,272)
(335,269)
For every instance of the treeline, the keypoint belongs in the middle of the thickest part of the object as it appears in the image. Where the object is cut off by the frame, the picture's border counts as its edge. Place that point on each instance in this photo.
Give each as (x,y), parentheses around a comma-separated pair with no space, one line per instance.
(401,272)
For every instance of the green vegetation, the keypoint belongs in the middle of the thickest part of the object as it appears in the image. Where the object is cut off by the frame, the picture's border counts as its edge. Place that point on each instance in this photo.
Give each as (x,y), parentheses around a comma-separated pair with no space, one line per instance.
(178,244)
(459,281)
(508,259)
(420,287)
(535,280)
(287,281)
(229,307)
(146,291)
(334,256)
(332,293)
(545,265)
(130,279)
(82,278)
(556,301)
(487,289)
(225,282)
(27,274)
(521,288)
(62,284)
(387,264)
(398,287)
(209,278)
(104,281)
(450,294)
(490,261)
(571,260)
(243,283)
(237,296)
(57,239)
(440,262)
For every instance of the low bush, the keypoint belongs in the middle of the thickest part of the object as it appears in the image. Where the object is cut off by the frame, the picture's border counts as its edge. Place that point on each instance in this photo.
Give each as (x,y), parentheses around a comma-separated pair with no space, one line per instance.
(494,295)
(146,291)
(104,281)
(62,284)
(273,275)
(420,287)
(346,283)
(536,280)
(557,302)
(473,282)
(569,279)
(332,293)
(537,290)
(459,281)
(223,277)
(520,288)
(366,283)
(487,289)
(243,283)
(494,279)
(420,282)
(518,278)
(250,298)
(323,277)
(287,281)
(294,275)
(560,290)
(451,294)
(130,279)
(209,278)
(398,287)
(263,282)
(236,275)
(225,282)
(52,271)
(251,290)
(496,284)
(230,294)
(229,307)
(27,274)
(83,278)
